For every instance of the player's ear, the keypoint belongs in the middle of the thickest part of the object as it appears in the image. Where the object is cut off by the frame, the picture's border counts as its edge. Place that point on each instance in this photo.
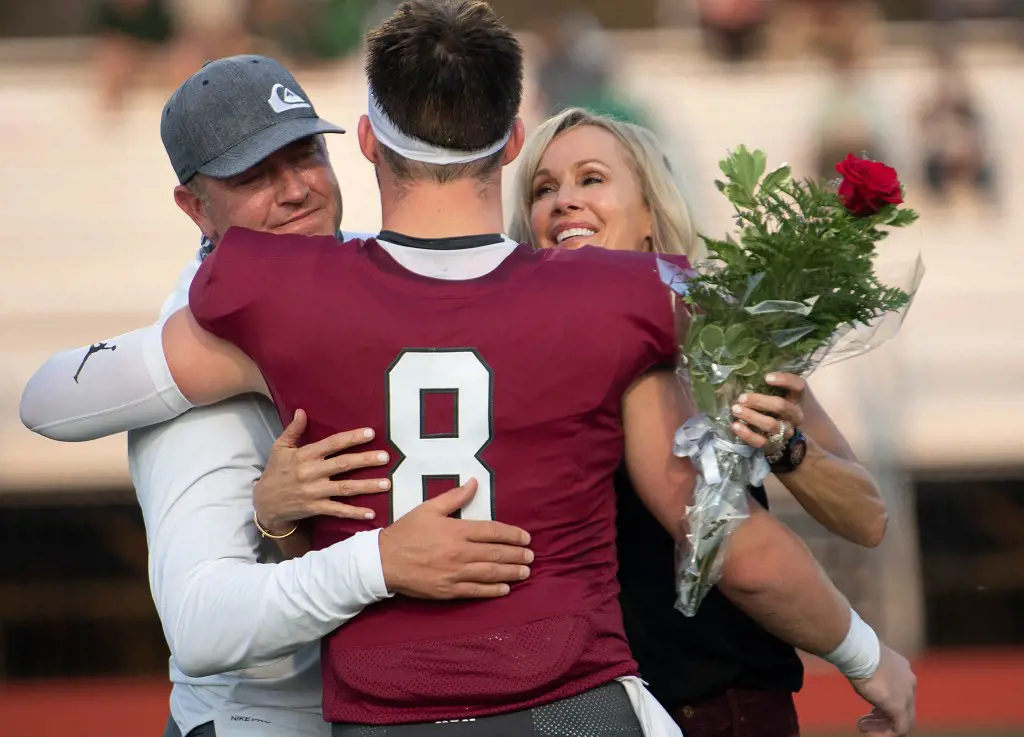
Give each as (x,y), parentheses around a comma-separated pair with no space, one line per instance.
(515,142)
(368,141)
(195,207)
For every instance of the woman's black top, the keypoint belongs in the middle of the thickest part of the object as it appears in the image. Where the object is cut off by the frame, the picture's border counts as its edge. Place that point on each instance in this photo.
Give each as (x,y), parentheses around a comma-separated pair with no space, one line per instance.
(686,659)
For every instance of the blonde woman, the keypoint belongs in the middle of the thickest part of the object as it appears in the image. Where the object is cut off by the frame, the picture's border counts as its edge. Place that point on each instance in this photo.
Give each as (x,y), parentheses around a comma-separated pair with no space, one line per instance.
(589,180)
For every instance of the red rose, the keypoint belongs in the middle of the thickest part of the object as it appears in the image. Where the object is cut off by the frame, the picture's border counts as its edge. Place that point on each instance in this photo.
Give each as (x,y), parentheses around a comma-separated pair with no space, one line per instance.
(867,185)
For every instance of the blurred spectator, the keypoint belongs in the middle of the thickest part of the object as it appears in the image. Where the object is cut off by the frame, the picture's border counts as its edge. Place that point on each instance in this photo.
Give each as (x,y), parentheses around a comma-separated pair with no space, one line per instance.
(953,135)
(310,30)
(576,67)
(1016,9)
(575,62)
(734,30)
(946,16)
(848,28)
(849,123)
(129,32)
(342,27)
(207,29)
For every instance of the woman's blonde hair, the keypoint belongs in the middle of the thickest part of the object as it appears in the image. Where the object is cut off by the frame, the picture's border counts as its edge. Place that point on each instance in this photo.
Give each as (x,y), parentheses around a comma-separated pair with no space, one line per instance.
(671,232)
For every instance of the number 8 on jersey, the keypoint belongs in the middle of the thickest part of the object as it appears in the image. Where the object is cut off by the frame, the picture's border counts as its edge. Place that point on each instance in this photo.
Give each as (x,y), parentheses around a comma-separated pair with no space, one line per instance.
(462,375)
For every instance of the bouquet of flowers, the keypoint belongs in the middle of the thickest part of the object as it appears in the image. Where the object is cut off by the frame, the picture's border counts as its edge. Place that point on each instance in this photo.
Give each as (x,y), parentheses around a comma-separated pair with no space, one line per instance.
(796,287)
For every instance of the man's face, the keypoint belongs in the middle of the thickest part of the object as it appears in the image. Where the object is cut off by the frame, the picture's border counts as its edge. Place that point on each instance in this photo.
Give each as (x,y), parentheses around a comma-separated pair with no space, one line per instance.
(293,190)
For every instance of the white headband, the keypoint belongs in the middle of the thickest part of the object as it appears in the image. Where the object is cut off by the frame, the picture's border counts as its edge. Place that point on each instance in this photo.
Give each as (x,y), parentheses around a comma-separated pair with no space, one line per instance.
(415,149)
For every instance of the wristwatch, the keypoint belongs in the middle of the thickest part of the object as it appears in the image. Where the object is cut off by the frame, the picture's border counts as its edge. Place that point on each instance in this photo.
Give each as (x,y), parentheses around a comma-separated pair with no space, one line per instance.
(790,457)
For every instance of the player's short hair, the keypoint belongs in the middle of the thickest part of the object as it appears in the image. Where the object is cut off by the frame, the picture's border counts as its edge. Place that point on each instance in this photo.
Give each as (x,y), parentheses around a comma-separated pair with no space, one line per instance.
(672,232)
(448,72)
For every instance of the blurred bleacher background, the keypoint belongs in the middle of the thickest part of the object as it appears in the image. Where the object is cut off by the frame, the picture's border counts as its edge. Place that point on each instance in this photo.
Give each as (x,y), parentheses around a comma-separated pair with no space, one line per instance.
(92,243)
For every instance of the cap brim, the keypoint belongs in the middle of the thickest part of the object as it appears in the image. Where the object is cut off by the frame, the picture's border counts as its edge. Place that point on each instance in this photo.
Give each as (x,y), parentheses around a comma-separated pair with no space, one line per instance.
(254,149)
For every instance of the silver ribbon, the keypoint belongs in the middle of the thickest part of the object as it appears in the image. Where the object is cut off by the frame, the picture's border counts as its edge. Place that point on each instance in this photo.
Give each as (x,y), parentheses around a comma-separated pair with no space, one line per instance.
(697,441)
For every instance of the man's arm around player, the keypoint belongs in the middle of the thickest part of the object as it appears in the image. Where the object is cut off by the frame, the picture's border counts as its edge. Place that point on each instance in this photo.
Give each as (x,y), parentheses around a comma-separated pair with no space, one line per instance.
(427,554)
(221,608)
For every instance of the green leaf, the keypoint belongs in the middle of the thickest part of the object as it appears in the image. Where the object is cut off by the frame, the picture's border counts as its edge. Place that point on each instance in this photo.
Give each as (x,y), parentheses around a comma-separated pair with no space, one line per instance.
(748,167)
(752,283)
(776,179)
(728,167)
(704,395)
(765,354)
(742,347)
(728,250)
(720,185)
(745,167)
(734,332)
(711,339)
(760,164)
(739,343)
(740,196)
(689,344)
(903,218)
(749,368)
(884,215)
(807,346)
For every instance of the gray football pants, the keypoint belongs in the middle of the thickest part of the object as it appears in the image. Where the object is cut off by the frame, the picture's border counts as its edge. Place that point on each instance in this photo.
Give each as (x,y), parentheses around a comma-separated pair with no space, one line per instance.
(601,712)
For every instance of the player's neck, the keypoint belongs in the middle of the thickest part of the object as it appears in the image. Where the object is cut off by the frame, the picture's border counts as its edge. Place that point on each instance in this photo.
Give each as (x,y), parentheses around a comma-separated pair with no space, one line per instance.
(463,207)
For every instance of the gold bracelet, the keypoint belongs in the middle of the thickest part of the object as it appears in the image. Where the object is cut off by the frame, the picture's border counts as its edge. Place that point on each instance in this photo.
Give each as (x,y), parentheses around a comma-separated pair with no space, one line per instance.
(268,533)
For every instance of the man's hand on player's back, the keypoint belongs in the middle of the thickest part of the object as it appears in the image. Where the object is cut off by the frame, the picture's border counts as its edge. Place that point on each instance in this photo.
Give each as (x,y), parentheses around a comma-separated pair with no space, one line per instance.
(428,554)
(891,691)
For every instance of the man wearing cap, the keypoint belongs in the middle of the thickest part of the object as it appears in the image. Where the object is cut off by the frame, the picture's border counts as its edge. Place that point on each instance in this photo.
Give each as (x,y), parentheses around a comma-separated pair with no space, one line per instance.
(240,124)
(246,145)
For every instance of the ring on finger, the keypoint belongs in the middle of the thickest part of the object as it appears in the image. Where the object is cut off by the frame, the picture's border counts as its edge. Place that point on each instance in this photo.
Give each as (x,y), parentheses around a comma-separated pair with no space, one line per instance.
(778,439)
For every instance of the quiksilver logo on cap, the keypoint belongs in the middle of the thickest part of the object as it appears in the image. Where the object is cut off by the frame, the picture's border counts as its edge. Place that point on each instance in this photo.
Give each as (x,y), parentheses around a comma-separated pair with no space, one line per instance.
(283,99)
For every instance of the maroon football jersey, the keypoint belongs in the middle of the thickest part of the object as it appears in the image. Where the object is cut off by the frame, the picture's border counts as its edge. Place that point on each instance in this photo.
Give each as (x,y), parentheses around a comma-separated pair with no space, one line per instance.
(516,379)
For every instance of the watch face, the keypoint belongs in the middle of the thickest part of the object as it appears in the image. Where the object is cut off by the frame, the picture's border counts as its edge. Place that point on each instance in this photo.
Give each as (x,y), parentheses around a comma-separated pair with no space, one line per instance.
(797,453)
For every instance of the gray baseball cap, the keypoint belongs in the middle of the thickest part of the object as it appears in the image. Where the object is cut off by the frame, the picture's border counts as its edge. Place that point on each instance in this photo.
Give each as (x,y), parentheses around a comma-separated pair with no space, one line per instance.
(232,114)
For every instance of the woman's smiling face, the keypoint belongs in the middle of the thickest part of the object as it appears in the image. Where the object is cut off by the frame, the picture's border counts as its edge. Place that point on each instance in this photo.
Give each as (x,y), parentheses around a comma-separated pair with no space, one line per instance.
(586,192)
